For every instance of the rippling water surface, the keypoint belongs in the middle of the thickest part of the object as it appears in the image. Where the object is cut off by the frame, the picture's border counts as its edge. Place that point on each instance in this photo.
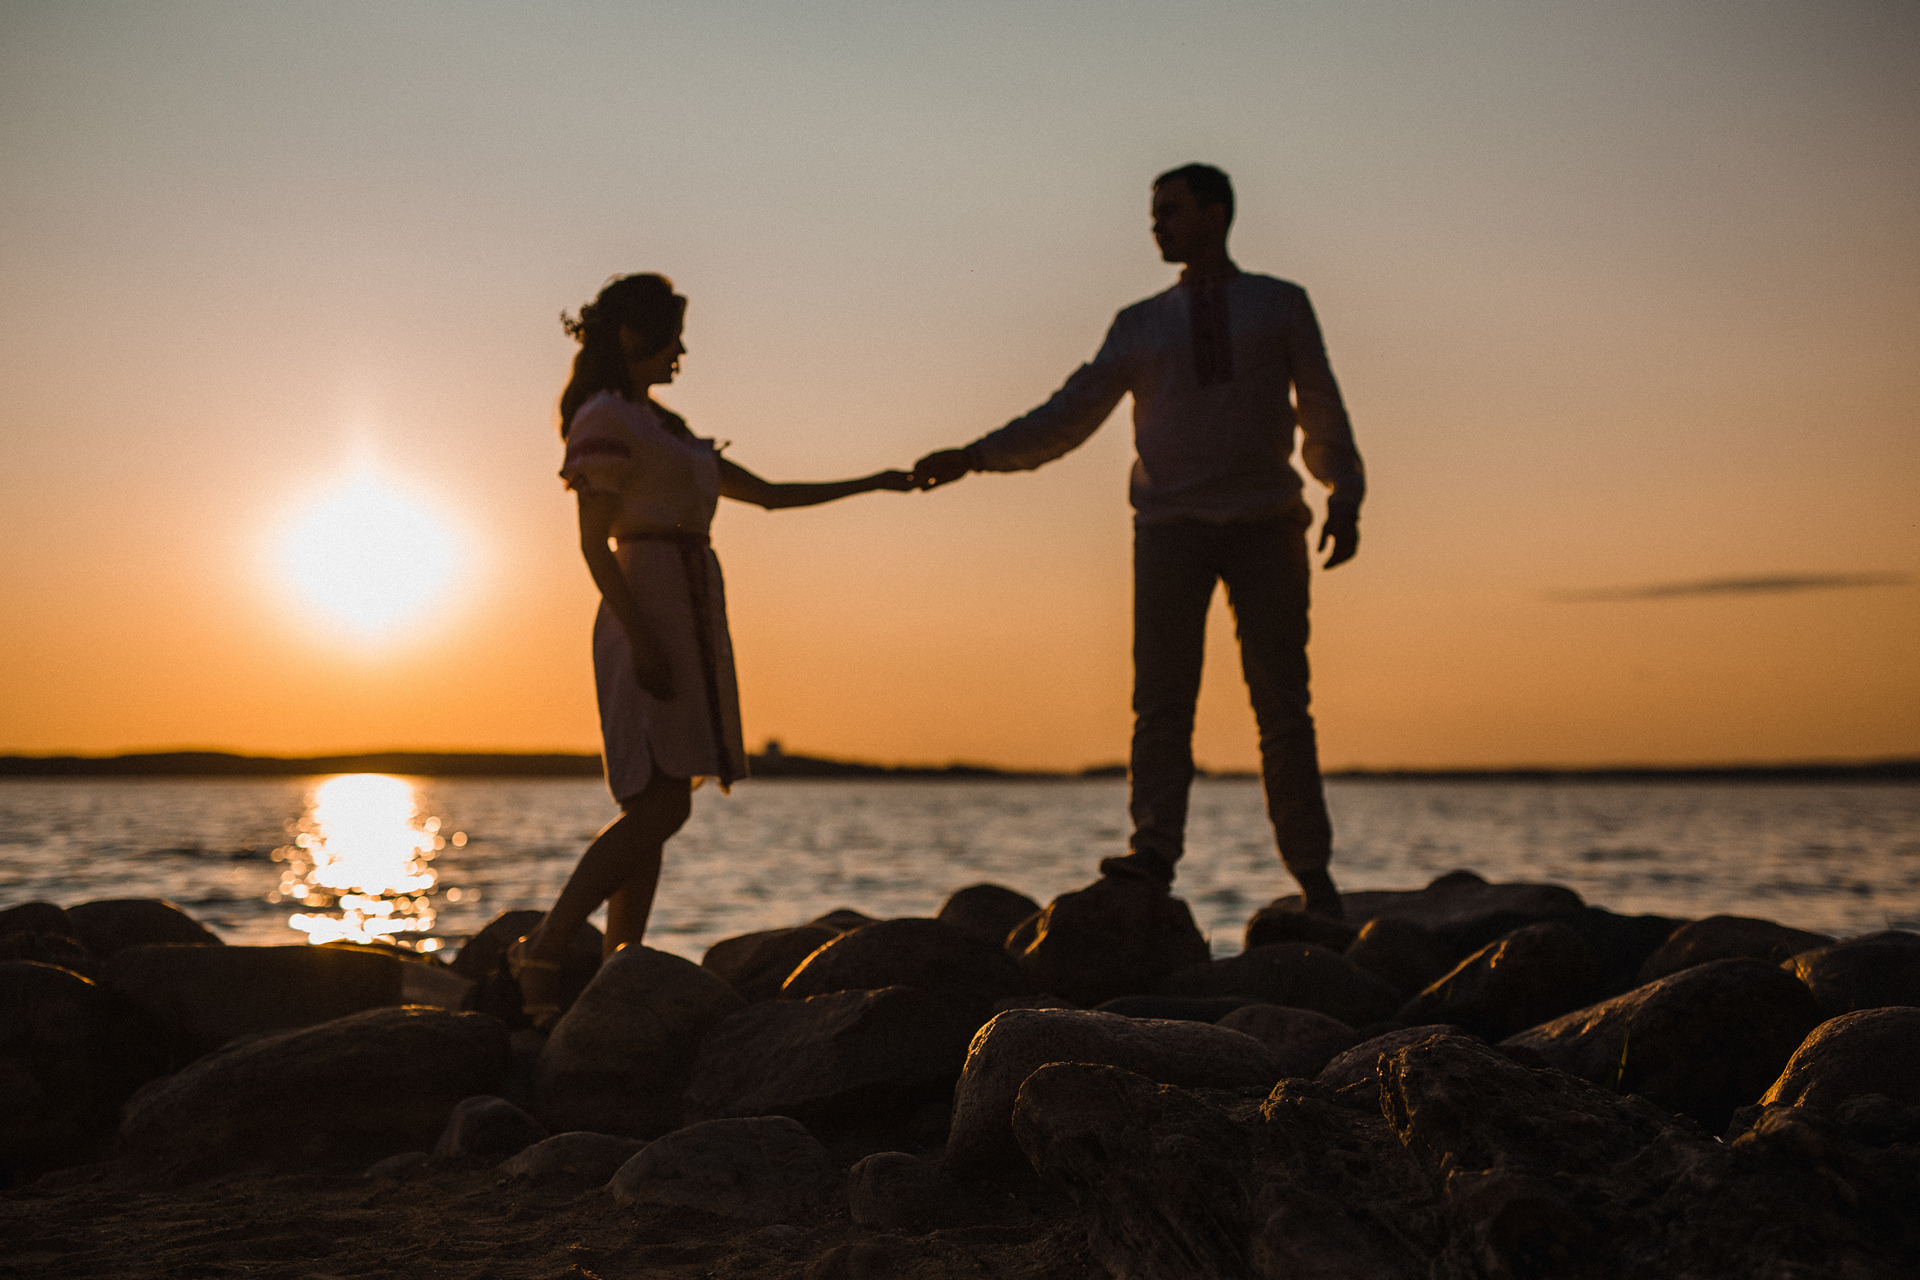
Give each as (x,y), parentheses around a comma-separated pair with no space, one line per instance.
(249,856)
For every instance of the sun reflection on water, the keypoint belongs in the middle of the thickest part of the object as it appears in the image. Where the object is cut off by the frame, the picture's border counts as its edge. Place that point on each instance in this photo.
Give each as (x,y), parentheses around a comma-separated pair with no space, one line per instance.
(361,862)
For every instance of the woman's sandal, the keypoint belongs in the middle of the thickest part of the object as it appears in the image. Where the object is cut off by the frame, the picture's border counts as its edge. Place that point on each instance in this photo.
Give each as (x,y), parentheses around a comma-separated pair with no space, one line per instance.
(539,982)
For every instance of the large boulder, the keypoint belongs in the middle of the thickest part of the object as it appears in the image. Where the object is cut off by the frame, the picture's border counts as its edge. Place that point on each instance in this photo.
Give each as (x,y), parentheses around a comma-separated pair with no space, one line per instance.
(848,1056)
(1461,907)
(757,965)
(41,931)
(1296,974)
(485,1127)
(1872,1051)
(589,1157)
(1724,938)
(1174,1008)
(946,963)
(1531,975)
(1621,945)
(114,924)
(843,919)
(1302,1041)
(1702,1042)
(203,997)
(383,1080)
(898,1191)
(1868,972)
(69,1056)
(1273,923)
(768,1169)
(1020,1041)
(1361,1064)
(1118,936)
(1407,956)
(989,912)
(619,1061)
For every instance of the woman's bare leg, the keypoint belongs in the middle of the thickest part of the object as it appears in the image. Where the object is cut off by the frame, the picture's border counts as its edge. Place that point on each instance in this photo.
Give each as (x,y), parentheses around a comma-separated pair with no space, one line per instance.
(621,868)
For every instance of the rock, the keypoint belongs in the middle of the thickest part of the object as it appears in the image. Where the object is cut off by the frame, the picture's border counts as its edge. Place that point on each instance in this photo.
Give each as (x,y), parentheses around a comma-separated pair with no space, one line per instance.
(987,911)
(1872,1051)
(1723,938)
(400,1168)
(758,964)
(1531,975)
(1020,1041)
(204,997)
(1040,1001)
(483,961)
(69,1057)
(379,1080)
(896,1191)
(1701,1042)
(762,1170)
(36,917)
(833,1059)
(1176,1008)
(114,924)
(1621,945)
(40,931)
(1361,1063)
(1302,1041)
(843,920)
(953,967)
(1461,908)
(1407,956)
(619,1060)
(484,1127)
(1271,924)
(1869,972)
(1118,936)
(1296,974)
(593,1157)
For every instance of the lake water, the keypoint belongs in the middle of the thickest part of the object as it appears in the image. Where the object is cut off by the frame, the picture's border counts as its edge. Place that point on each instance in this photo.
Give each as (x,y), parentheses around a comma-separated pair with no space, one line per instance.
(431,860)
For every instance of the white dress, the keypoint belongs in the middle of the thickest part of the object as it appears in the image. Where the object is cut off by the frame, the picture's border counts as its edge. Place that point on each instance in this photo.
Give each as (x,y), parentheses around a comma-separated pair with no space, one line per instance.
(668,485)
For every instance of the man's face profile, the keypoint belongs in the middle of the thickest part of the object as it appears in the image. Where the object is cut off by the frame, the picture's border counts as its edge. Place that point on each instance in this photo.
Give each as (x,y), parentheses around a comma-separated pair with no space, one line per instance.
(1182,226)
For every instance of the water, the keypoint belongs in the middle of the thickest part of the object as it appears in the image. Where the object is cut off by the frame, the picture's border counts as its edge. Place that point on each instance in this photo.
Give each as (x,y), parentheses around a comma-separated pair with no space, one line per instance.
(1839,858)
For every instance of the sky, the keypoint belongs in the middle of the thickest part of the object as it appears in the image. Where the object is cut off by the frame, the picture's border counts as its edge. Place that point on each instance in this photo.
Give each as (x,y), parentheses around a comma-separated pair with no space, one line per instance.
(1624,300)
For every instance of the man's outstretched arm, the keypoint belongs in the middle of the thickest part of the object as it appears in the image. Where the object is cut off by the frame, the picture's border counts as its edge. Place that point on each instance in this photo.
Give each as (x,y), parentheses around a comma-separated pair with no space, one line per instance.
(1069,416)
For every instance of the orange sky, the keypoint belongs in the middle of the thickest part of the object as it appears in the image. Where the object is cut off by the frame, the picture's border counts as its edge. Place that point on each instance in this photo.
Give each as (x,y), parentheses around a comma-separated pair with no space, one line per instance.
(1620,297)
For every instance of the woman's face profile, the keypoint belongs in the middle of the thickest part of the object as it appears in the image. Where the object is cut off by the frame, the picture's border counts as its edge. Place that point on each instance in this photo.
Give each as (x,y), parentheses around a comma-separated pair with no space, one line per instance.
(649,369)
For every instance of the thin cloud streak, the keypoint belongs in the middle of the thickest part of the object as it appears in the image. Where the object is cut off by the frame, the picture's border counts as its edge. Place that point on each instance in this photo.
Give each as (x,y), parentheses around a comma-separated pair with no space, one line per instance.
(1777,584)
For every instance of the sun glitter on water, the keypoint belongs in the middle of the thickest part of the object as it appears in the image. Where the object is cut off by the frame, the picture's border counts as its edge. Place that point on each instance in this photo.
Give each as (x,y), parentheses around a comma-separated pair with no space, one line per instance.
(369,556)
(362,863)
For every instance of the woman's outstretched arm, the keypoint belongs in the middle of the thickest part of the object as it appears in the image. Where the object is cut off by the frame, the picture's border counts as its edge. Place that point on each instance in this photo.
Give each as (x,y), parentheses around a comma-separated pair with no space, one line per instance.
(742,485)
(650,666)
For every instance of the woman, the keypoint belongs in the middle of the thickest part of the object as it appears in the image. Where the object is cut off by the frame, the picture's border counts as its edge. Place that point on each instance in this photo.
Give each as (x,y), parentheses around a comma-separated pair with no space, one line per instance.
(663,664)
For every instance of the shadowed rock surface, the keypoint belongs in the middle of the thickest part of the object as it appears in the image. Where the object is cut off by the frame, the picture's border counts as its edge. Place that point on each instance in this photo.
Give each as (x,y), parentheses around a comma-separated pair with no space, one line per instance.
(1621,945)
(1116,937)
(952,966)
(591,1157)
(1726,938)
(619,1060)
(1296,974)
(763,1170)
(1531,975)
(897,1191)
(1869,972)
(1016,1043)
(485,1127)
(842,919)
(1702,1042)
(1872,1051)
(1362,1062)
(1463,909)
(990,912)
(757,965)
(850,1056)
(1303,1042)
(1274,923)
(41,931)
(114,924)
(1177,1008)
(384,1079)
(1406,956)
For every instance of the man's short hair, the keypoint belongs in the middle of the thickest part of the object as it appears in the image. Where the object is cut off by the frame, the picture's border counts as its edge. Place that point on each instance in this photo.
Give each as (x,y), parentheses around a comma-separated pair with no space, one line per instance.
(1208,184)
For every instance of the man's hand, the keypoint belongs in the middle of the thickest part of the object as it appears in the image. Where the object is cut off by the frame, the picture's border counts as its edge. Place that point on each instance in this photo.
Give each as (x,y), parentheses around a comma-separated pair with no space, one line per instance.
(651,669)
(1342,529)
(943,466)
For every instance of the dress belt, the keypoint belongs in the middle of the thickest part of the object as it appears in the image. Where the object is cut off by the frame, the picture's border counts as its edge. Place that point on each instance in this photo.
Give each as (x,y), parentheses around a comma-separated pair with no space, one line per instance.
(693,546)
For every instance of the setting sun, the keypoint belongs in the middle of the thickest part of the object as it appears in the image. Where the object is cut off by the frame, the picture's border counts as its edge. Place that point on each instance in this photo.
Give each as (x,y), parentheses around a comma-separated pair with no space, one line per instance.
(368,556)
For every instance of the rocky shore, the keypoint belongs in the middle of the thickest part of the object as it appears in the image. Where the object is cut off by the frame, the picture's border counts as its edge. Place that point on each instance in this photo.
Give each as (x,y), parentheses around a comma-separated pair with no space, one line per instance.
(1464,1080)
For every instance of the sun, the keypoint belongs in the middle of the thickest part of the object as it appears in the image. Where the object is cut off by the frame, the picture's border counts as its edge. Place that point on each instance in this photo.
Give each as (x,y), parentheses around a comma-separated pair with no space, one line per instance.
(368,556)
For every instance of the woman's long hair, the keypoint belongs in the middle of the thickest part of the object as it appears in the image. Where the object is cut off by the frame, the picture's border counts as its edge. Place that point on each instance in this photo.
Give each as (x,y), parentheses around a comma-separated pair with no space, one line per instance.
(645,304)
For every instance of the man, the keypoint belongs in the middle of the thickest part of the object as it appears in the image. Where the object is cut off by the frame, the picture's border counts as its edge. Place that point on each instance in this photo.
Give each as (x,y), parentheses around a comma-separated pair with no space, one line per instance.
(1210,363)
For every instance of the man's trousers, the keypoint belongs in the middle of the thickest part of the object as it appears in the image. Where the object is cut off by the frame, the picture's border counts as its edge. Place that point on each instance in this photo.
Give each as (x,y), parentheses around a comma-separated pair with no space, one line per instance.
(1264,566)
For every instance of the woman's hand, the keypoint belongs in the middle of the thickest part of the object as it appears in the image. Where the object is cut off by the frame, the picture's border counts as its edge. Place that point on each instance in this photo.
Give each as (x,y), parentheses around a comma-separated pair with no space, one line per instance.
(651,668)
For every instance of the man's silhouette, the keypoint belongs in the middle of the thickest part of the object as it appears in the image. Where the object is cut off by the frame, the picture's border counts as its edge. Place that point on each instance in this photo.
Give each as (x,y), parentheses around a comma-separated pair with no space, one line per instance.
(1210,364)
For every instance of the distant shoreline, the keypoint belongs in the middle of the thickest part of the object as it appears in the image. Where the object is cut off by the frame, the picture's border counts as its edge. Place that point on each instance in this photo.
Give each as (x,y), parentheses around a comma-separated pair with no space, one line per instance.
(775,765)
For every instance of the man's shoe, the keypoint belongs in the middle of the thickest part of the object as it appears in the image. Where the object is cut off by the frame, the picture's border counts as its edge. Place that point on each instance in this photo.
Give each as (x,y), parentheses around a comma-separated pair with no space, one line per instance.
(1139,865)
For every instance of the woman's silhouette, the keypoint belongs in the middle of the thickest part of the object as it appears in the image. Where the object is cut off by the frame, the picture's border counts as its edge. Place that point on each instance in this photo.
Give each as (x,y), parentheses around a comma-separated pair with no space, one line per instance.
(662,660)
